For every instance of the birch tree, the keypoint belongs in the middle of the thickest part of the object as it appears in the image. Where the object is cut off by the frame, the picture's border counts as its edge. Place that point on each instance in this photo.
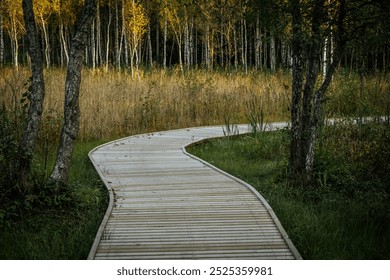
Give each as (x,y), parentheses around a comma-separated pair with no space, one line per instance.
(136,24)
(176,15)
(42,10)
(14,25)
(164,26)
(71,126)
(307,100)
(36,98)
(66,13)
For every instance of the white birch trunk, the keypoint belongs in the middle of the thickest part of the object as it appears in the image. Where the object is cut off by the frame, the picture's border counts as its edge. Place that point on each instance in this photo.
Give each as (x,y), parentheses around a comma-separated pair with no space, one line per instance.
(71,126)
(186,45)
(208,48)
(258,45)
(98,38)
(157,46)
(126,44)
(30,134)
(116,32)
(191,43)
(15,48)
(325,58)
(108,39)
(46,40)
(63,43)
(244,43)
(331,47)
(93,44)
(86,55)
(273,52)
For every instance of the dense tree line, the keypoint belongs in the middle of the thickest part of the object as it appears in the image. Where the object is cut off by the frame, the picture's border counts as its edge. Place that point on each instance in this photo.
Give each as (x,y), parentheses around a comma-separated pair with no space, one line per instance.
(227,34)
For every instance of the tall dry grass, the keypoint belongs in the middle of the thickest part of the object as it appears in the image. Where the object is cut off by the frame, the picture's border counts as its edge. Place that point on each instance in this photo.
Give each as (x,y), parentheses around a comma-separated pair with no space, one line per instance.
(113,104)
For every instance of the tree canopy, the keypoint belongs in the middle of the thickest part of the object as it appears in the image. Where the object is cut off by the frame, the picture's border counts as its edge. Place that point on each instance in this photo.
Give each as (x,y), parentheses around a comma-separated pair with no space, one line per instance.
(228,34)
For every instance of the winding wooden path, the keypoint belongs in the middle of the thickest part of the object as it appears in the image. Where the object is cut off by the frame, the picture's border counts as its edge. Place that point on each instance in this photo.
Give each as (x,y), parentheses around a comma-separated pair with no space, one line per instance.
(167,204)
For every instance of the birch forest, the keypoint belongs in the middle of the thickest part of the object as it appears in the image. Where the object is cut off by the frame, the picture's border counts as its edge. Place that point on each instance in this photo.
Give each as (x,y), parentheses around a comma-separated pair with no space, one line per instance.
(208,34)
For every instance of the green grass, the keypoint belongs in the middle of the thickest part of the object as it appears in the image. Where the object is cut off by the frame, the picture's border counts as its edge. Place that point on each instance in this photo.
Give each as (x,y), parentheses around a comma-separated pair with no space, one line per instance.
(327,222)
(60,228)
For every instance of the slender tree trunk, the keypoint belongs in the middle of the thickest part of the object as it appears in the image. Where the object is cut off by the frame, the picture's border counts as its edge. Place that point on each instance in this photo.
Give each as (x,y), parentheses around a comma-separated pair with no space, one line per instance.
(126,44)
(98,37)
(54,56)
(283,50)
(186,45)
(108,39)
(15,45)
(64,44)
(208,48)
(195,46)
(86,61)
(132,54)
(191,44)
(242,43)
(235,49)
(179,43)
(222,53)
(325,57)
(62,56)
(37,95)
(245,46)
(46,40)
(211,49)
(150,48)
(93,45)
(265,59)
(250,47)
(157,46)
(70,129)
(258,45)
(116,34)
(165,43)
(1,40)
(179,40)
(272,52)
(203,54)
(137,52)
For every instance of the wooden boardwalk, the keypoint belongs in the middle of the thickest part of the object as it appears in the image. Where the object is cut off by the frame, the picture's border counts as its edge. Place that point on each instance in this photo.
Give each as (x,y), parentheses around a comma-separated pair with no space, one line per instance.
(166,204)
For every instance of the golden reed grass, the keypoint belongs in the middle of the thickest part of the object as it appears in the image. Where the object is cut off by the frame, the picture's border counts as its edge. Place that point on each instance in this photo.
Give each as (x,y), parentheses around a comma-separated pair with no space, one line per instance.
(115,105)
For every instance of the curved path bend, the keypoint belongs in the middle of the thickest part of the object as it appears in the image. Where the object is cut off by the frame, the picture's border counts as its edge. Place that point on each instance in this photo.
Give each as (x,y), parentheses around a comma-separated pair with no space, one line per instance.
(167,204)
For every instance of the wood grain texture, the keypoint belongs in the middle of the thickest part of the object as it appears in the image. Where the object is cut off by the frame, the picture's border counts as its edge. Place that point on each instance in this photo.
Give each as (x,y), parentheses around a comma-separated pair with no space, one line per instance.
(167,204)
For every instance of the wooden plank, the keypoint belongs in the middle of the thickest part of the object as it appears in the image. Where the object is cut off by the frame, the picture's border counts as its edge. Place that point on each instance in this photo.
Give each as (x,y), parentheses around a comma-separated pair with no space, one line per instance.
(166,204)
